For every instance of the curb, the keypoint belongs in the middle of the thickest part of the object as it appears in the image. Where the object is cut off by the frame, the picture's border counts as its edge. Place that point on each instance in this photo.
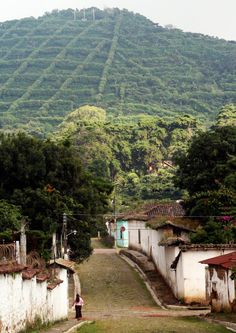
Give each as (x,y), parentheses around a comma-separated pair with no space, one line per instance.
(75,327)
(229,325)
(145,280)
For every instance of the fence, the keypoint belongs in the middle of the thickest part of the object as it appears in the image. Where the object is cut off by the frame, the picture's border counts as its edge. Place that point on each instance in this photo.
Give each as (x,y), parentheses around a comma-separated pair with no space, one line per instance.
(7,253)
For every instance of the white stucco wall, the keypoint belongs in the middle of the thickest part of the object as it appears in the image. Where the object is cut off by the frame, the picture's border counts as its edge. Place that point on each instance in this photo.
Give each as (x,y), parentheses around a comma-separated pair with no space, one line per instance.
(220,289)
(133,227)
(22,301)
(188,280)
(194,273)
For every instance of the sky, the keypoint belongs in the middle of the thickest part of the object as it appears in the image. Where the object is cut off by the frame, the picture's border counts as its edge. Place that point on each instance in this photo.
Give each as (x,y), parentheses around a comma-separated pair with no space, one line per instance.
(210,17)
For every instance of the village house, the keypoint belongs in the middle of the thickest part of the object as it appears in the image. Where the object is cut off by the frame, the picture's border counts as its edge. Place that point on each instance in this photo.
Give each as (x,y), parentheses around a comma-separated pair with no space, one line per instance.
(221,282)
(162,232)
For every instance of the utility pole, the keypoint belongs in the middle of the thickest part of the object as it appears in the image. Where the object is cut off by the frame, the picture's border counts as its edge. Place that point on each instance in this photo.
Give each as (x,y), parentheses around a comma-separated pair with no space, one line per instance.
(114,214)
(93,14)
(54,246)
(23,243)
(65,235)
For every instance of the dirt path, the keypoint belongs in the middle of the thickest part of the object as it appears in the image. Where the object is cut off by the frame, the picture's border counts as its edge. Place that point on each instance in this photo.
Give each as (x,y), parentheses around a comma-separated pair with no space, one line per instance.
(118,301)
(111,288)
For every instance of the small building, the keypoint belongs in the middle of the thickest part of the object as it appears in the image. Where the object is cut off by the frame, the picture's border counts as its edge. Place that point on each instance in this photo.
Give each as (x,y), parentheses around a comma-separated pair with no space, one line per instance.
(221,282)
(122,233)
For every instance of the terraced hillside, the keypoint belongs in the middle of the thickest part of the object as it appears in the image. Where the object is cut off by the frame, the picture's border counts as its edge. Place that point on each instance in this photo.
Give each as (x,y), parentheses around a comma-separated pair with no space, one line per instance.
(114,59)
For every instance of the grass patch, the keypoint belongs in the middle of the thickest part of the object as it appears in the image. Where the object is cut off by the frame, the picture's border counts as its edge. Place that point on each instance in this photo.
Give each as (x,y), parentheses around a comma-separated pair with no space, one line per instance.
(38,326)
(231,317)
(153,325)
(98,244)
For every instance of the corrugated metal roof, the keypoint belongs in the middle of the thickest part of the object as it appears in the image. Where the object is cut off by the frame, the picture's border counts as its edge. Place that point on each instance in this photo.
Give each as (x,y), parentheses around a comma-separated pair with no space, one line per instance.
(226,260)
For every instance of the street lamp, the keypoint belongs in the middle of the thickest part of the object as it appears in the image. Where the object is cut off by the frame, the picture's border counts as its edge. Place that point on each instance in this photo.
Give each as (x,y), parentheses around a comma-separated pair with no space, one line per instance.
(72,232)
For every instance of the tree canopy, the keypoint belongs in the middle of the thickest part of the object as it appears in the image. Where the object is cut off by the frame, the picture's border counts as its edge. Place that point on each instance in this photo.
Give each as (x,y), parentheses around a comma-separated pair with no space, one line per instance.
(45,180)
(207,170)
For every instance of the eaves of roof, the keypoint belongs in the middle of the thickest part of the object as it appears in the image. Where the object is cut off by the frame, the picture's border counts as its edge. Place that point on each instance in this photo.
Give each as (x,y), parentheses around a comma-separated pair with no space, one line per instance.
(225,261)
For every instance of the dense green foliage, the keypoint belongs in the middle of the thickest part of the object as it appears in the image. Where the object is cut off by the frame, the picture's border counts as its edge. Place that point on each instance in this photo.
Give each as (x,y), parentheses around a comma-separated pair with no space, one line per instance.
(10,220)
(46,180)
(118,60)
(227,116)
(208,172)
(129,150)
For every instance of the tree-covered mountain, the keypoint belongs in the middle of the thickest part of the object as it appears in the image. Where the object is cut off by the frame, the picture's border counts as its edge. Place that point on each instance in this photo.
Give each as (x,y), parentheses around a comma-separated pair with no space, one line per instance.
(134,152)
(114,59)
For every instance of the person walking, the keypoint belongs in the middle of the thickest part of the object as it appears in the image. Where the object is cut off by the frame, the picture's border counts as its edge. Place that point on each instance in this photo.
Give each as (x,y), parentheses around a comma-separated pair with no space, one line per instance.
(78,303)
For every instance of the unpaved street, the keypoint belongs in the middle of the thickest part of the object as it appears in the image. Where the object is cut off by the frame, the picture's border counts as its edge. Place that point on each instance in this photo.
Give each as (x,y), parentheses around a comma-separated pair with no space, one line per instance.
(117,299)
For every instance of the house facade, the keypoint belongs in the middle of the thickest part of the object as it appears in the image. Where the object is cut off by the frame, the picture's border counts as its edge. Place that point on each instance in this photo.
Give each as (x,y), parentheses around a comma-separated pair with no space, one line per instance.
(221,282)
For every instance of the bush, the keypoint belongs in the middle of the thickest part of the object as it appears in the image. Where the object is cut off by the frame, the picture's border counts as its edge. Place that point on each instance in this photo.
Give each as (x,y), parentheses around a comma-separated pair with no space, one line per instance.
(108,241)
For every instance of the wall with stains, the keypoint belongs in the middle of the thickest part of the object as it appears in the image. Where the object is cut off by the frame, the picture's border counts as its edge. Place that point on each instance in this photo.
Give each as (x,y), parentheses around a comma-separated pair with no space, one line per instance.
(194,273)
(220,289)
(187,279)
(24,301)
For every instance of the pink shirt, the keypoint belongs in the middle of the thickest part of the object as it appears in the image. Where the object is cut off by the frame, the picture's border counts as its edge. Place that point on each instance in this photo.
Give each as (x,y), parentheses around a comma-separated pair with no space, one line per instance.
(81,302)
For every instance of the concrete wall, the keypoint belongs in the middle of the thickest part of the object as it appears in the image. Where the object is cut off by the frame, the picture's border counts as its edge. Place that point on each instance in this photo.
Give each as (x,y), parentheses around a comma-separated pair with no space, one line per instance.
(23,301)
(220,289)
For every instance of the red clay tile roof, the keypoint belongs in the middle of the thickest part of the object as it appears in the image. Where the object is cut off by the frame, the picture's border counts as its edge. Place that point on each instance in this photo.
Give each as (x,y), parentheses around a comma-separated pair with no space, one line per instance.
(170,241)
(29,273)
(169,209)
(225,261)
(67,264)
(11,268)
(166,209)
(182,223)
(205,247)
(53,284)
(41,277)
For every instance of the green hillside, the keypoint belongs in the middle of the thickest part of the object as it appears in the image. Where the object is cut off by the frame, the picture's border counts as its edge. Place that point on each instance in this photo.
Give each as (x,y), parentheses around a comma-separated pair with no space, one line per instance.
(114,59)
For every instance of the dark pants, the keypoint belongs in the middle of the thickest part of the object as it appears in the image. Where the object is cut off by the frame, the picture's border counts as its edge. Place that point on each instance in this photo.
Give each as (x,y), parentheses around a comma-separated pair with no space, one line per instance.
(78,311)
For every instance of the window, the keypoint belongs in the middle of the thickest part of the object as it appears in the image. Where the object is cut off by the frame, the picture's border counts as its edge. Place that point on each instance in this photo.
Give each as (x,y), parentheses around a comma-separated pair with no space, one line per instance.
(139,236)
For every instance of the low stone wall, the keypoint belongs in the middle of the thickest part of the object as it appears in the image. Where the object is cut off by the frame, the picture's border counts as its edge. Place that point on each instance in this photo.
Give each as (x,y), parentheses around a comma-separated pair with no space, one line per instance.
(24,300)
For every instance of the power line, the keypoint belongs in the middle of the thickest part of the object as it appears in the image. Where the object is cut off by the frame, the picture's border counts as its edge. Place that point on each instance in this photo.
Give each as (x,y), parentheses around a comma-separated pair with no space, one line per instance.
(156,216)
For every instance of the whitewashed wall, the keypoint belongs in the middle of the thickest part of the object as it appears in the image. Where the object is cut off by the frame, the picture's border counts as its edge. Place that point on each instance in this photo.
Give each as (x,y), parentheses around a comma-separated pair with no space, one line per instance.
(220,289)
(194,273)
(188,280)
(23,301)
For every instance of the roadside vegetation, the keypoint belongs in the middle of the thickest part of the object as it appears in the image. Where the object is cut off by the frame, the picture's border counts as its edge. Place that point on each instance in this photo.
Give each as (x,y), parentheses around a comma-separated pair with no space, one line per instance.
(152,325)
